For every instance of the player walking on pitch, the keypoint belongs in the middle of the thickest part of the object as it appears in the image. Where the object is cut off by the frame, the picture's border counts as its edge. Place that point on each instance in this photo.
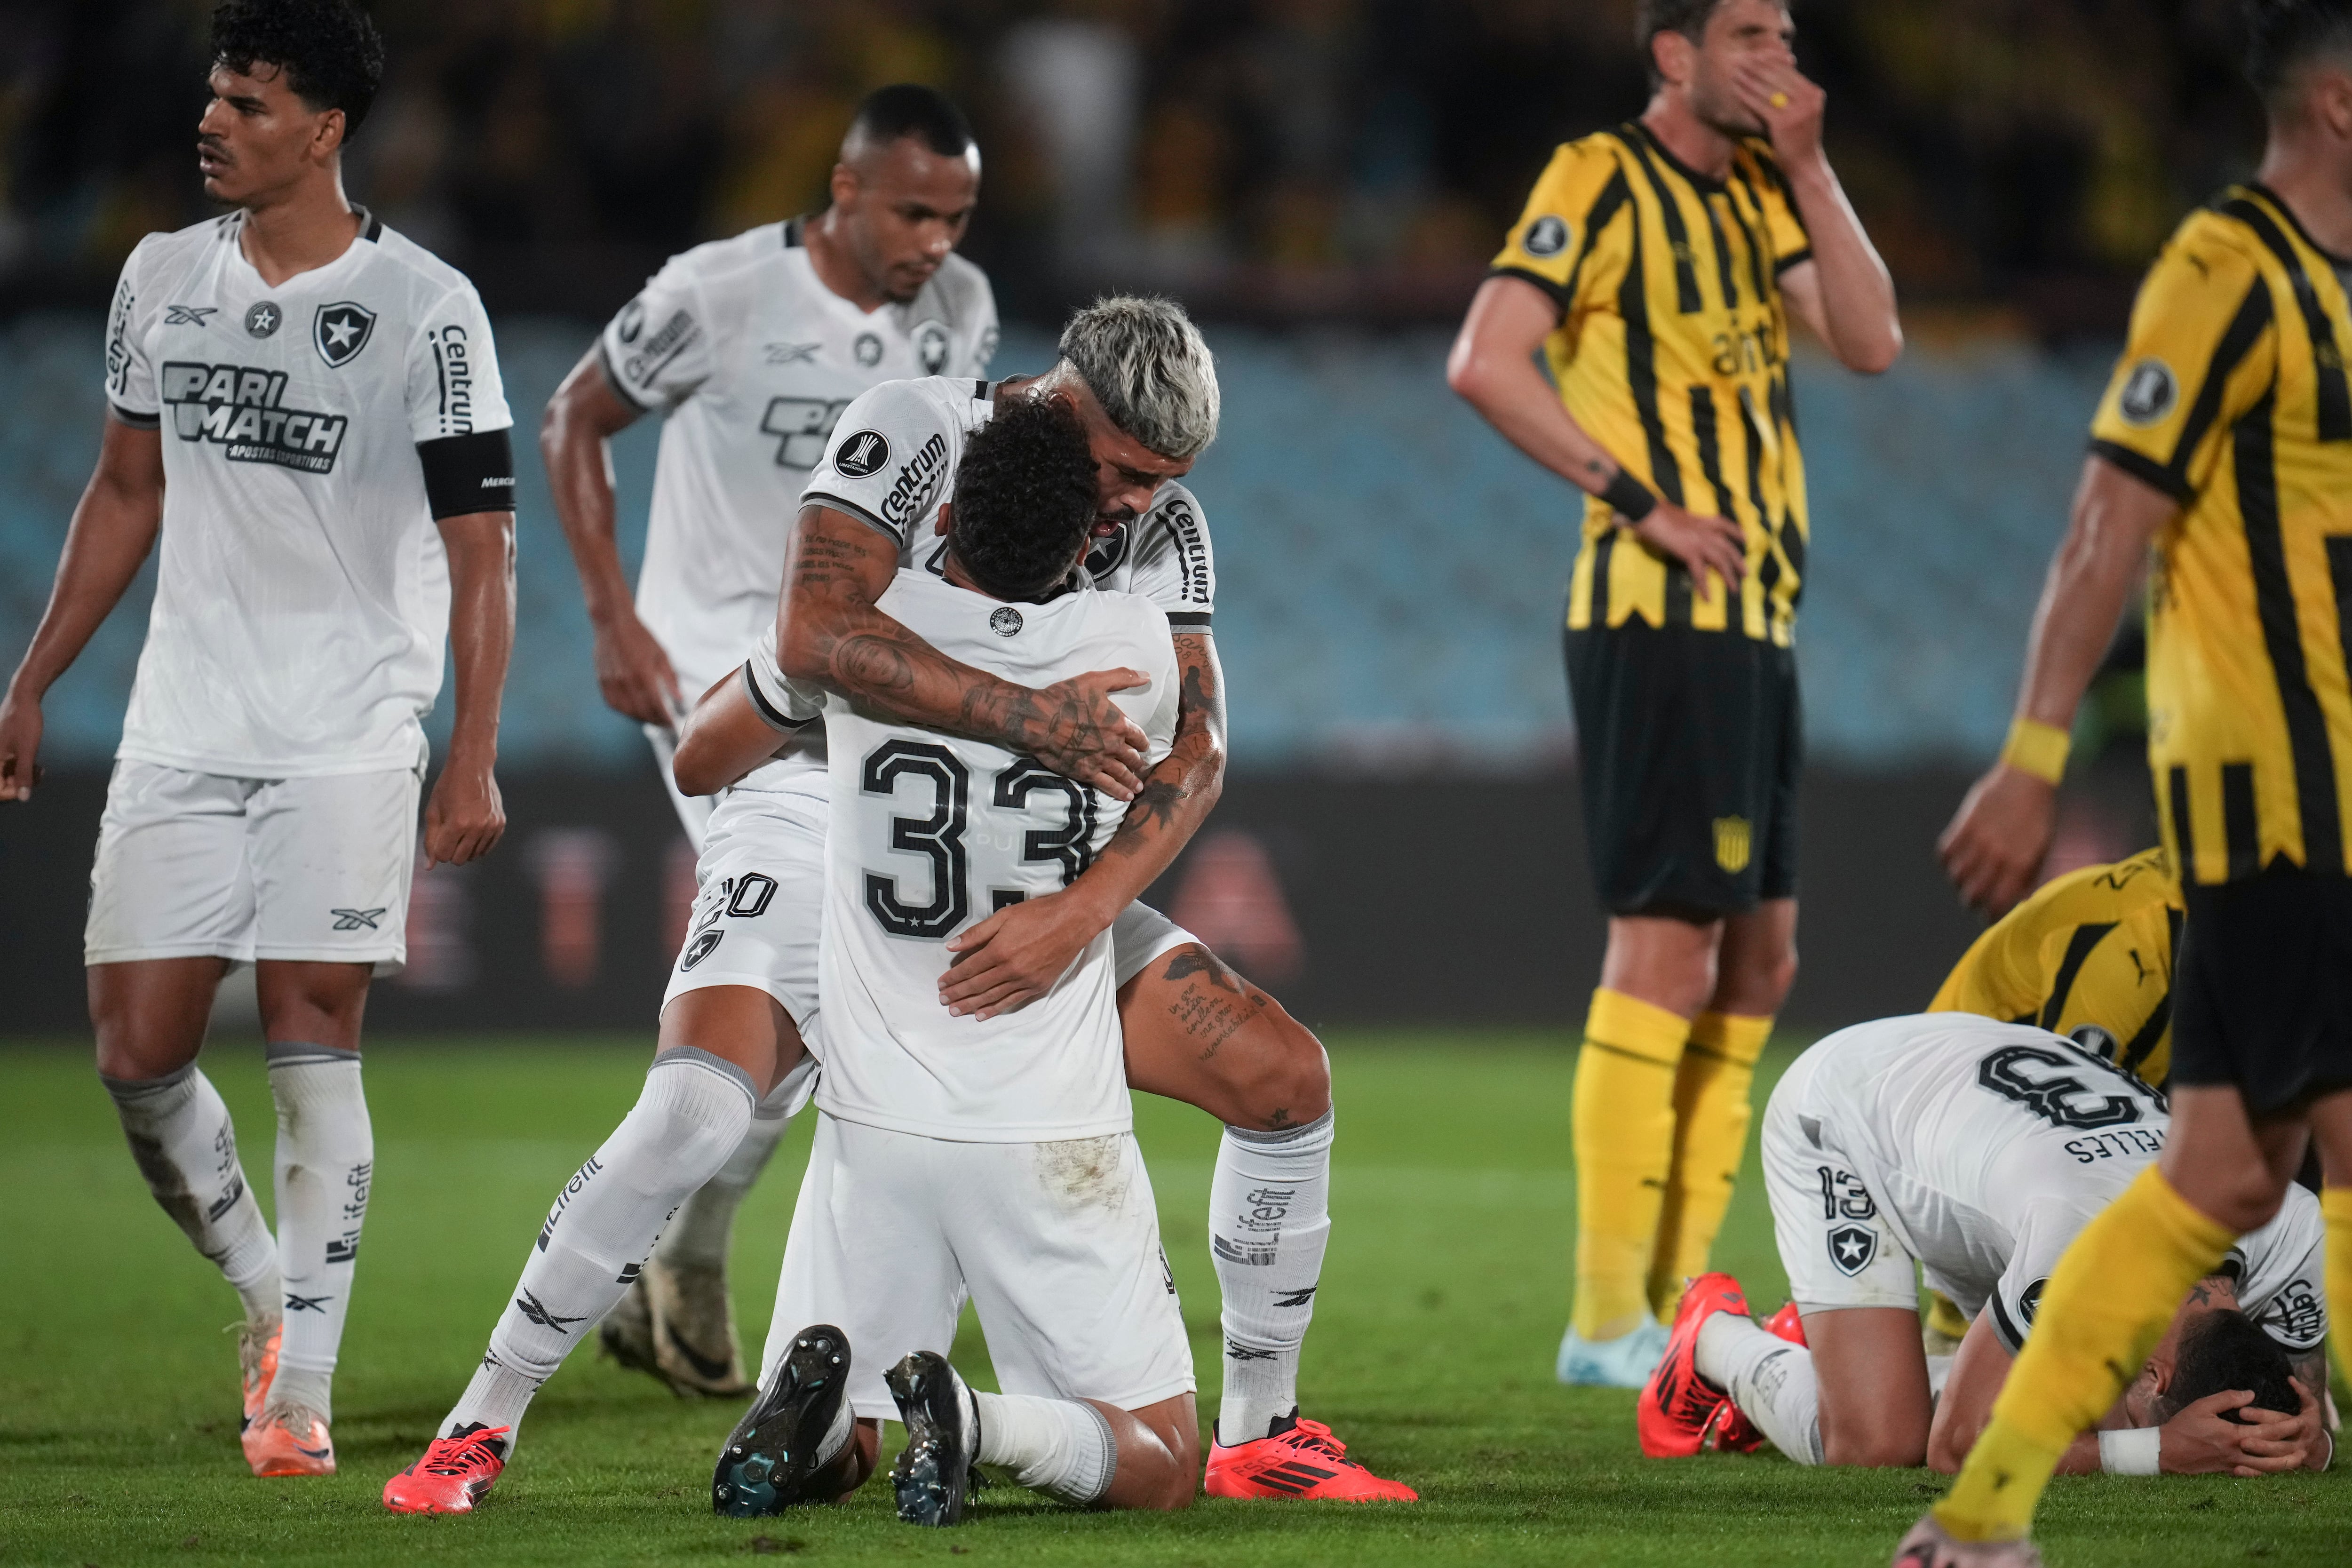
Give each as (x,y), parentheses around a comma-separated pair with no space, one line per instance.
(749,349)
(1656,268)
(2224,441)
(307,406)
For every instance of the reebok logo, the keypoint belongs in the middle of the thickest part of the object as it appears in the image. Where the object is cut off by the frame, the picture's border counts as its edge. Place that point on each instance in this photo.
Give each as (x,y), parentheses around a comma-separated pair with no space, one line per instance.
(357,919)
(531,1307)
(241,411)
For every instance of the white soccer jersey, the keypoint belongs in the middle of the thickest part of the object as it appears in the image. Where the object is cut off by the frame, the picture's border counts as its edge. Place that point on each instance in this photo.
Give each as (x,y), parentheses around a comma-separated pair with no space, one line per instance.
(750,358)
(892,462)
(312,432)
(1985,1147)
(932,833)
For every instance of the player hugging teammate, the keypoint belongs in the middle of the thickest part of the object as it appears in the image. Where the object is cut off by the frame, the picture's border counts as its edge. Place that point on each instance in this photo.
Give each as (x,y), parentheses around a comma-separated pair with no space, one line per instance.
(306,406)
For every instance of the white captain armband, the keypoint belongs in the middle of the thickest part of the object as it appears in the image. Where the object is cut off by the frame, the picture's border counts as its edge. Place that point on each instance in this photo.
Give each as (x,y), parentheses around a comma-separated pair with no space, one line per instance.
(785,706)
(2131,1452)
(469,473)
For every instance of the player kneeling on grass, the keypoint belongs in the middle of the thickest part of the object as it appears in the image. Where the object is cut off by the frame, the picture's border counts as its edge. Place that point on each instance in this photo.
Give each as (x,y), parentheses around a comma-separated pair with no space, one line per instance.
(991,1159)
(1031,1081)
(1974,1151)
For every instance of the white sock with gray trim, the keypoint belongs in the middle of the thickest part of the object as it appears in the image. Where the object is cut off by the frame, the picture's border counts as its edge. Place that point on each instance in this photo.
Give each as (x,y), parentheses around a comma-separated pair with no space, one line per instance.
(1062,1448)
(185,1145)
(325,1163)
(1269,1224)
(689,1117)
(1770,1380)
(698,1236)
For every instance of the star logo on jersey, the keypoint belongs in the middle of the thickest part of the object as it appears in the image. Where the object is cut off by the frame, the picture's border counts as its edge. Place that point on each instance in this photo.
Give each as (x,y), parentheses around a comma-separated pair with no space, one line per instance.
(698,950)
(790,353)
(1005,622)
(932,347)
(357,919)
(868,350)
(340,331)
(1851,1247)
(862,455)
(1546,237)
(262,321)
(188,315)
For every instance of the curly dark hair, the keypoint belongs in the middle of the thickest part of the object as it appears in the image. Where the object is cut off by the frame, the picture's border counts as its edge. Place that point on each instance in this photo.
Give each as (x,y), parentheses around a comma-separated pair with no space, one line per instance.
(328,49)
(1025,499)
(2224,1350)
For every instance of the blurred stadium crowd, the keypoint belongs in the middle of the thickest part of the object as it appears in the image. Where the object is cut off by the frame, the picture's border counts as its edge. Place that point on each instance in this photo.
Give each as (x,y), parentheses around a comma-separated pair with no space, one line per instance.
(1276,158)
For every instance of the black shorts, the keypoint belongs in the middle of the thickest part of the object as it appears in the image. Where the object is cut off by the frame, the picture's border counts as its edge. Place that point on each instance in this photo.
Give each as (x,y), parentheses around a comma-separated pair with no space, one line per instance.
(2261,990)
(1688,744)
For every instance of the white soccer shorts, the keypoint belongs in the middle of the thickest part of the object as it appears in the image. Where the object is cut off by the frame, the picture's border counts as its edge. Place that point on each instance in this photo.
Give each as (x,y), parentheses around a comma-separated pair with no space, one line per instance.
(193,865)
(1837,1248)
(759,913)
(1057,1245)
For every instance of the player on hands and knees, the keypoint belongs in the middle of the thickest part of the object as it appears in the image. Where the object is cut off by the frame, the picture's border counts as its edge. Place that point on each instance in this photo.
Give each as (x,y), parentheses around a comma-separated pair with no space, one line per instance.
(1658,267)
(959,1156)
(2221,443)
(749,349)
(1977,1150)
(1140,377)
(2089,956)
(307,406)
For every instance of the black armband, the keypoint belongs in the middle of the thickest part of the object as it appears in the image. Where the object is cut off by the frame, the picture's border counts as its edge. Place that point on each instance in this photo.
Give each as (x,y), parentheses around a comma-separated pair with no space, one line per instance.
(469,473)
(1630,497)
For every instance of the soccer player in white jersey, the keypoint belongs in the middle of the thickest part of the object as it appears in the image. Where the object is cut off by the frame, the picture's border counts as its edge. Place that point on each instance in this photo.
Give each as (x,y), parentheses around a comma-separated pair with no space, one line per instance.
(961,1158)
(307,406)
(749,349)
(1974,1151)
(1141,378)
(700,1092)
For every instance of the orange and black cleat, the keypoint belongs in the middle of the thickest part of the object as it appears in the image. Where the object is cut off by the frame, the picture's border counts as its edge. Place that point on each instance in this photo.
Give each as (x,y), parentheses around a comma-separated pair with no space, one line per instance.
(257,1364)
(1297,1459)
(289,1440)
(455,1474)
(1677,1405)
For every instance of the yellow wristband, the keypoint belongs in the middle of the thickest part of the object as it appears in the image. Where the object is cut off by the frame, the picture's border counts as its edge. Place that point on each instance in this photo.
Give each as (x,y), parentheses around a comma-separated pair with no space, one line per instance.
(2038,749)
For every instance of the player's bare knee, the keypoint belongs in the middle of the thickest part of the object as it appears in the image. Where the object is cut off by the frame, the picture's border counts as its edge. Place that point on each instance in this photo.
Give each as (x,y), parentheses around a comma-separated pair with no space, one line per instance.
(1867,1446)
(1297,1087)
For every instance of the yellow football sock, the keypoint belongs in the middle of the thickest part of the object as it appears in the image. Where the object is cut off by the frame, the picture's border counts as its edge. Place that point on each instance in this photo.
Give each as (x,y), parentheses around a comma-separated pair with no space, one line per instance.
(2336,1205)
(2109,1301)
(1625,1125)
(1711,1116)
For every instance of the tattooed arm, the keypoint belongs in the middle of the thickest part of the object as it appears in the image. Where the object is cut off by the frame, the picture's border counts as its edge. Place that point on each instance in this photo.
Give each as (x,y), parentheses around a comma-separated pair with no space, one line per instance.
(1015,955)
(829,631)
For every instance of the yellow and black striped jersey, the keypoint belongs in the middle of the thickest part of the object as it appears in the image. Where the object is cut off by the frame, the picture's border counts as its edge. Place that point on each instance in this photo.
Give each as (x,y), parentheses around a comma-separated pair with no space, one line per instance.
(1672,352)
(2231,397)
(2094,947)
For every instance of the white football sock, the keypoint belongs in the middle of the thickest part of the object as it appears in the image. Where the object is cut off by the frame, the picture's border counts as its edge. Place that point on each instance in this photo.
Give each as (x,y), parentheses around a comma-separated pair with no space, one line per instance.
(1058,1447)
(1269,1222)
(1769,1380)
(690,1116)
(185,1146)
(698,1237)
(326,1159)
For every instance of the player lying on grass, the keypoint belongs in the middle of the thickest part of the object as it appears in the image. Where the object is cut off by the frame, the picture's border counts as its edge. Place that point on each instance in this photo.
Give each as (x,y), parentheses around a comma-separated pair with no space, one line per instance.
(1974,1151)
(1138,375)
(961,1158)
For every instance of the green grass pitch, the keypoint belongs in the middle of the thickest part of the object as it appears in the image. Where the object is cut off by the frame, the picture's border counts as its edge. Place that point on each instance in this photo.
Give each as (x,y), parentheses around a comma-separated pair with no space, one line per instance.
(1442,1300)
